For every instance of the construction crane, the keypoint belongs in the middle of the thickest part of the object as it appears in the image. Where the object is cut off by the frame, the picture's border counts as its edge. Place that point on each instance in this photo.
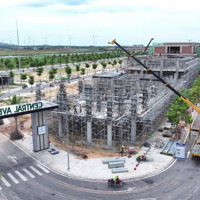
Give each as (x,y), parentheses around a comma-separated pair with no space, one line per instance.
(158,77)
(148,45)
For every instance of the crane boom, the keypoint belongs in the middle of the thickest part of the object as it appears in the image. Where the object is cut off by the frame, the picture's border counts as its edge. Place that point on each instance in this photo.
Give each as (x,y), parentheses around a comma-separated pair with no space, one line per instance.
(148,45)
(158,77)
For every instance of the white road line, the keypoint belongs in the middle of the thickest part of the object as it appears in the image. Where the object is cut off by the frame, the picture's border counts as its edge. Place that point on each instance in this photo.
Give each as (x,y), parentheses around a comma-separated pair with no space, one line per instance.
(0,188)
(13,178)
(29,173)
(36,171)
(44,169)
(5,181)
(21,176)
(188,154)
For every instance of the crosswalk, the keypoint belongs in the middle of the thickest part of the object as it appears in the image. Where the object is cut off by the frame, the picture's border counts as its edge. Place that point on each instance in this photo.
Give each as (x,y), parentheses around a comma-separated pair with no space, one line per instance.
(22,175)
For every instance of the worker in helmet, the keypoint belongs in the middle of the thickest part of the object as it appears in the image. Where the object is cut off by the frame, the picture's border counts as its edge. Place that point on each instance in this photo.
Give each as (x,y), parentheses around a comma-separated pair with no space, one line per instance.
(115,179)
(122,150)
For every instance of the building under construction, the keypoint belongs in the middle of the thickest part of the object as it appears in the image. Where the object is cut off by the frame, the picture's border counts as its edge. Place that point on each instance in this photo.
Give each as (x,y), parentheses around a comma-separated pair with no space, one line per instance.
(122,106)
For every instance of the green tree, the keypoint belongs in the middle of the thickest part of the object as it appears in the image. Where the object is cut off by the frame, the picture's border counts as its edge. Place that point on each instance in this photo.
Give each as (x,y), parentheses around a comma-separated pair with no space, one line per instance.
(23,76)
(87,65)
(1,63)
(45,60)
(7,63)
(109,63)
(52,62)
(52,73)
(23,64)
(78,69)
(68,70)
(94,66)
(178,111)
(39,71)
(83,72)
(104,64)
(120,62)
(31,81)
(10,66)
(11,74)
(113,64)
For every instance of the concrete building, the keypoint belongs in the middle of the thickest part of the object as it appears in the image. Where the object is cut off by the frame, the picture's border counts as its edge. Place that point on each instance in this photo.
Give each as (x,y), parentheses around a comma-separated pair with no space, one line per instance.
(182,48)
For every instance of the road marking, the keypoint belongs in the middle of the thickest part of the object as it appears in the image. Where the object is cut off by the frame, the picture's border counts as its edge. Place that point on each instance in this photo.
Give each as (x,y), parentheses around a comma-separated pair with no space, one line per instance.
(5,181)
(188,154)
(36,171)
(29,173)
(13,158)
(0,188)
(13,178)
(21,176)
(44,169)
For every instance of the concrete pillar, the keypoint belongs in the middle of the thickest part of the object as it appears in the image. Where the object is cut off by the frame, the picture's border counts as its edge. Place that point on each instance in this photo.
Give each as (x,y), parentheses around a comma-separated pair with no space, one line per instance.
(60,126)
(133,118)
(89,132)
(177,71)
(133,130)
(40,131)
(109,135)
(161,68)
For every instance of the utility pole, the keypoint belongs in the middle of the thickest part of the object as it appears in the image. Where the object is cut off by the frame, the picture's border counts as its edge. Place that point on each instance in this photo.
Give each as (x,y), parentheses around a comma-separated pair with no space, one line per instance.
(18,54)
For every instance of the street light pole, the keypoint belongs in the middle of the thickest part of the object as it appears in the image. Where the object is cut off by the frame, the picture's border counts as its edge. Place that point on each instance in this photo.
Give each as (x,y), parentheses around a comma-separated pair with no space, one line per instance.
(18,54)
(67,131)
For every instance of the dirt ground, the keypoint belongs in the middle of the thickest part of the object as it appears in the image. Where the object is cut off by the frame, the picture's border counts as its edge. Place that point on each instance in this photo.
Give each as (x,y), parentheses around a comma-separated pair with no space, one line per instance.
(91,152)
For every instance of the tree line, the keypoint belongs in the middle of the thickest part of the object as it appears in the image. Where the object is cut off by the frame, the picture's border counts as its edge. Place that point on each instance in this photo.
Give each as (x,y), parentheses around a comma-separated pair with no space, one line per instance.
(179,110)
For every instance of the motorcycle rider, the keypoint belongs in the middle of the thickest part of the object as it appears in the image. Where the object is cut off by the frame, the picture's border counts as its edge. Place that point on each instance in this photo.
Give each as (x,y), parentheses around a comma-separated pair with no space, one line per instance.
(115,179)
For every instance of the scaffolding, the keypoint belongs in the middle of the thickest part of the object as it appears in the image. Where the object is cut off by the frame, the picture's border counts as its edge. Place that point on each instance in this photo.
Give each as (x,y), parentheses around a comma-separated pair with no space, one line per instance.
(120,107)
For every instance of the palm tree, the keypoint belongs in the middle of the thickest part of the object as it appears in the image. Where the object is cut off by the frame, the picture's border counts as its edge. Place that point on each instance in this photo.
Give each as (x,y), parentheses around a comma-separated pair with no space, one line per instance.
(12,101)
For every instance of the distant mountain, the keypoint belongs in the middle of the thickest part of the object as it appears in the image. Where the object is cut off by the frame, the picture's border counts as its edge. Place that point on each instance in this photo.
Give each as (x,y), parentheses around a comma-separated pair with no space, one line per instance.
(6,44)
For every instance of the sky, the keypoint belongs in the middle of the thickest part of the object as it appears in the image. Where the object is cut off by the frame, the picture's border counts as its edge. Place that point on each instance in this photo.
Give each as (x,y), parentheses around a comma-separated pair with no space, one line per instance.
(96,22)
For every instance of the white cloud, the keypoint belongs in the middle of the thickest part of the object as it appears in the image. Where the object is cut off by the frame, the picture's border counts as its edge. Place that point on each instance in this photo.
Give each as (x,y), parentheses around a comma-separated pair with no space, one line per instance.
(129,21)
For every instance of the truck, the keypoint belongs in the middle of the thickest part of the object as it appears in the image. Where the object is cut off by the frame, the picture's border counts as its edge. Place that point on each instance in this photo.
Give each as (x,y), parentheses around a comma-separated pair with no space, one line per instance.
(195,150)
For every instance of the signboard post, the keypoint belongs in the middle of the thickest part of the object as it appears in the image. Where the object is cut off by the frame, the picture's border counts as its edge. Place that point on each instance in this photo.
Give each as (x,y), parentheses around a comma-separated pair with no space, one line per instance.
(22,125)
(180,151)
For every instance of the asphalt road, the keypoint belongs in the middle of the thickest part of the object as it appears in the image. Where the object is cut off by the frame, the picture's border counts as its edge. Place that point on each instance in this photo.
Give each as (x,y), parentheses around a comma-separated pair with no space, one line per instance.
(179,182)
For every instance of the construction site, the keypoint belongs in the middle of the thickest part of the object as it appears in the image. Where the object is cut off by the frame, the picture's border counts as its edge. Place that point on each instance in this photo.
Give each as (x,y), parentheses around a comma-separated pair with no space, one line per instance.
(123,106)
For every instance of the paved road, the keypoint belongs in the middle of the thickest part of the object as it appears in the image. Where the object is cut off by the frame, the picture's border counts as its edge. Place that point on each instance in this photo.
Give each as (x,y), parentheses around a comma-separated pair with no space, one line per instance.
(24,179)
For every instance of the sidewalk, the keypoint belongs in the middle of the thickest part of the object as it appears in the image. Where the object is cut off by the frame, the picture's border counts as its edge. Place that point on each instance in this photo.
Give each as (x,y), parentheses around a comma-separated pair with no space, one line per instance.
(94,168)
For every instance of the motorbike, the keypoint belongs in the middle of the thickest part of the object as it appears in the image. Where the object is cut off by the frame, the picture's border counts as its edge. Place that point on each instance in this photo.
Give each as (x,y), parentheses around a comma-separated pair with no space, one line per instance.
(118,182)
